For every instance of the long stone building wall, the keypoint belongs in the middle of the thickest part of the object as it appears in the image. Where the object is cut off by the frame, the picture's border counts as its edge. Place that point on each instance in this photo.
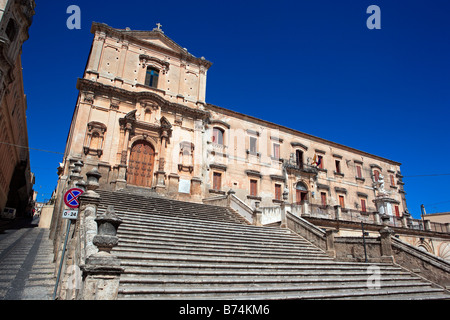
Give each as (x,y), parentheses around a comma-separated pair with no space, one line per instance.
(162,134)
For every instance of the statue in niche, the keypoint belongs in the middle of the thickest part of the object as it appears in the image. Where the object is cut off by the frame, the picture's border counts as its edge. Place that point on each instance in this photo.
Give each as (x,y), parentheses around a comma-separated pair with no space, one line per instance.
(380,186)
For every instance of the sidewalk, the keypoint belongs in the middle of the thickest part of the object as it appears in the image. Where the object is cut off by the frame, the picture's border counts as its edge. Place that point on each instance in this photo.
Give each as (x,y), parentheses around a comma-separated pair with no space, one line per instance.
(26,262)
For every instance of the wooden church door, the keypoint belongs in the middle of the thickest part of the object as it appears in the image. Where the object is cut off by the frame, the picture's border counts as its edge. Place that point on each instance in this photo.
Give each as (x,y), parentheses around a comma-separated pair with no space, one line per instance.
(140,166)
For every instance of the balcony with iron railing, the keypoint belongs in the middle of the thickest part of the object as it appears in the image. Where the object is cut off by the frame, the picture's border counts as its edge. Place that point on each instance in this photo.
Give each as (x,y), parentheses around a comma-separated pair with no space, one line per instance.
(336,213)
(301,168)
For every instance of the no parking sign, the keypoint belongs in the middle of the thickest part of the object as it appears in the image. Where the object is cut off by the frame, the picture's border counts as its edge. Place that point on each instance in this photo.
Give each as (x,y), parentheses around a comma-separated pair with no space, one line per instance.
(71,198)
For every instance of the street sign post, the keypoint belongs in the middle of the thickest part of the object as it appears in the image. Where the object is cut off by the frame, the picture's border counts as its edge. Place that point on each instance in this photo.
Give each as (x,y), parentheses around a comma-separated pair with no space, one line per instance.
(70,214)
(71,198)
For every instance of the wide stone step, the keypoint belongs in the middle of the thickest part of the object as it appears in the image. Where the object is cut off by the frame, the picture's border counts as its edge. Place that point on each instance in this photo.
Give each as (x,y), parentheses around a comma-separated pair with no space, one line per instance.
(266,282)
(205,236)
(217,253)
(317,291)
(147,219)
(374,294)
(316,266)
(216,217)
(183,276)
(218,241)
(206,229)
(216,259)
(148,201)
(167,243)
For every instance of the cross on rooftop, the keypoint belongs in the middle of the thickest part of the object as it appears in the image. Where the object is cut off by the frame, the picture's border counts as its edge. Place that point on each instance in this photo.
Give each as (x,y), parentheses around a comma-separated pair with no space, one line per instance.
(159,25)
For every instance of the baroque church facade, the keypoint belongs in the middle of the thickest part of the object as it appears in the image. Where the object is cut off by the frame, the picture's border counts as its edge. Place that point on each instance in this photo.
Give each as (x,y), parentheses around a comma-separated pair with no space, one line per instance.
(142,120)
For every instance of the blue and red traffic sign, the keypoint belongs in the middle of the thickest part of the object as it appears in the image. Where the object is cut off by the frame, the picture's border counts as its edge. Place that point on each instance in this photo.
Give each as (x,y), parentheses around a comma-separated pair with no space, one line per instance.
(71,198)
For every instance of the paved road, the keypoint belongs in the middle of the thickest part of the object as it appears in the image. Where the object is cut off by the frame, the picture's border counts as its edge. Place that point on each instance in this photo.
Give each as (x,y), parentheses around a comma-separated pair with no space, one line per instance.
(26,262)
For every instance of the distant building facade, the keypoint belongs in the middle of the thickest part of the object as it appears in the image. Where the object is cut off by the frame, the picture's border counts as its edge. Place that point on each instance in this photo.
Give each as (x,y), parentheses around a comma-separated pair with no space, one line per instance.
(16,180)
(142,119)
(441,217)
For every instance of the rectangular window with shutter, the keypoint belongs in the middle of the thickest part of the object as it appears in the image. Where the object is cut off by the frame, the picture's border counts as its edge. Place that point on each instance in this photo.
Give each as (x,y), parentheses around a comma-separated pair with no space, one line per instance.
(392,180)
(363,205)
(320,161)
(341,202)
(278,192)
(217,181)
(397,211)
(254,188)
(276,151)
(338,166)
(253,145)
(358,171)
(323,197)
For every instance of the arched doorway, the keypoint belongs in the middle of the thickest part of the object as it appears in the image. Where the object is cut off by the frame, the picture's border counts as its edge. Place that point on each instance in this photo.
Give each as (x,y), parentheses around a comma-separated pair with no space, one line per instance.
(301,192)
(140,166)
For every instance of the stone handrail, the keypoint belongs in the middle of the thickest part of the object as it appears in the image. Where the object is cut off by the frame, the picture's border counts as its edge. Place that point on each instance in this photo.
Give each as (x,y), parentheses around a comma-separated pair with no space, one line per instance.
(430,266)
(220,201)
(231,201)
(307,230)
(241,208)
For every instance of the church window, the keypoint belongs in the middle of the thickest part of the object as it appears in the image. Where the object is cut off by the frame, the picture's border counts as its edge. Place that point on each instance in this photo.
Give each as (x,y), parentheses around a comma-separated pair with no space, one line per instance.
(186,161)
(218,136)
(147,116)
(94,139)
(151,77)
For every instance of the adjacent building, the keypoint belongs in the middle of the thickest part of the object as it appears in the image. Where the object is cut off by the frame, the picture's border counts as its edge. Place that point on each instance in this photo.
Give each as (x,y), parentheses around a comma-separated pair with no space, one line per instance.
(16,179)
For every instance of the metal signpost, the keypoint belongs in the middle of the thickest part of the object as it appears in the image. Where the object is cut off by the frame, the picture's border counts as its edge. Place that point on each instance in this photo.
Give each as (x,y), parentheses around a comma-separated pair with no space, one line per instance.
(71,200)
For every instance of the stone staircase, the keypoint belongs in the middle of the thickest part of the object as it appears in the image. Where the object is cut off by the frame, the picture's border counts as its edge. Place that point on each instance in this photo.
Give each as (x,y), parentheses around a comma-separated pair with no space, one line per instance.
(179,250)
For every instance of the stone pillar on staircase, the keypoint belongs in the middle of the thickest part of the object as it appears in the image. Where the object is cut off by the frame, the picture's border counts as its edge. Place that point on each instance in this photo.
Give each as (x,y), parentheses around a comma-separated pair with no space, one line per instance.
(283,210)
(386,244)
(88,211)
(161,174)
(257,215)
(331,250)
(102,270)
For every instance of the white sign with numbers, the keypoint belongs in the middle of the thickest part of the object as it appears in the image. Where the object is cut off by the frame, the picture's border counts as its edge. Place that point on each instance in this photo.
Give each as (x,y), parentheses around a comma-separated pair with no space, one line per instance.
(70,214)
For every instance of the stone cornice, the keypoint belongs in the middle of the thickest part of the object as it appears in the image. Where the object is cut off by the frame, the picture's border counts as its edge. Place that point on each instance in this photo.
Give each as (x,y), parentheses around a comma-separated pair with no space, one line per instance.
(133,36)
(135,97)
(298,144)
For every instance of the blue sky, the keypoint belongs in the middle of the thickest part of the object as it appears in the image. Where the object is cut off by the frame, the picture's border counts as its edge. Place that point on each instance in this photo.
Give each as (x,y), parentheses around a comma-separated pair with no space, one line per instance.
(313,66)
